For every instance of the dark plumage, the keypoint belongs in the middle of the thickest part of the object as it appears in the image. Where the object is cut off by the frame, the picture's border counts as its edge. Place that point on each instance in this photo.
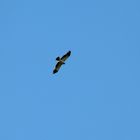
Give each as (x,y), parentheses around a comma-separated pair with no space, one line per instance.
(61,61)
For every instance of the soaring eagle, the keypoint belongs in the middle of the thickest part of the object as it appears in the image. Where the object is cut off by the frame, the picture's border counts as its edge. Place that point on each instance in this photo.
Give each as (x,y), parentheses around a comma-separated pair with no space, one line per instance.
(61,61)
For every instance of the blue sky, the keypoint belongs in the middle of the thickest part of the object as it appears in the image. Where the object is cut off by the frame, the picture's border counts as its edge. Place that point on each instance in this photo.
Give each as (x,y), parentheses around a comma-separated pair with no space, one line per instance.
(95,96)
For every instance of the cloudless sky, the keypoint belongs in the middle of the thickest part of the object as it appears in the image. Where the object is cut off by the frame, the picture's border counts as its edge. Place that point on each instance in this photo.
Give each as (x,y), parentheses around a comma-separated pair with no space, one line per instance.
(95,95)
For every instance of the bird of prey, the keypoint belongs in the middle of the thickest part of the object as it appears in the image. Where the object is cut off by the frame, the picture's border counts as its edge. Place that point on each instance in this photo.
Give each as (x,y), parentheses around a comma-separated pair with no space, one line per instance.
(61,61)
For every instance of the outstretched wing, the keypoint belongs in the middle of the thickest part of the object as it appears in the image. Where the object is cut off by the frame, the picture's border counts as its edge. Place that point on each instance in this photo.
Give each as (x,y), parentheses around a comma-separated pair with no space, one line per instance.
(66,56)
(57,67)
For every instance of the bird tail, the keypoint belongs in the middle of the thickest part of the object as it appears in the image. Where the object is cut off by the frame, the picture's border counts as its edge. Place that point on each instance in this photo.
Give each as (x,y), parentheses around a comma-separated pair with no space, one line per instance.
(58,58)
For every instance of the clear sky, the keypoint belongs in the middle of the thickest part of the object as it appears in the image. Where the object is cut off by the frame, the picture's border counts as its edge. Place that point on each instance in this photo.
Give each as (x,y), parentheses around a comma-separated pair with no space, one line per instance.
(95,96)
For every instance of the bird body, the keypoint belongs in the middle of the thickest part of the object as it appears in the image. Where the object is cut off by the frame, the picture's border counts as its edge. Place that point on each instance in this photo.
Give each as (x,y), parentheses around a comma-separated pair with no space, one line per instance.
(61,61)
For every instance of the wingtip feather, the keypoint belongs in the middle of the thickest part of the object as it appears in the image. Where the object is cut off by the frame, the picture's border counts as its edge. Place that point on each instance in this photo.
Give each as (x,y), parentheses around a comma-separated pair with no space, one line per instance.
(69,53)
(55,71)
